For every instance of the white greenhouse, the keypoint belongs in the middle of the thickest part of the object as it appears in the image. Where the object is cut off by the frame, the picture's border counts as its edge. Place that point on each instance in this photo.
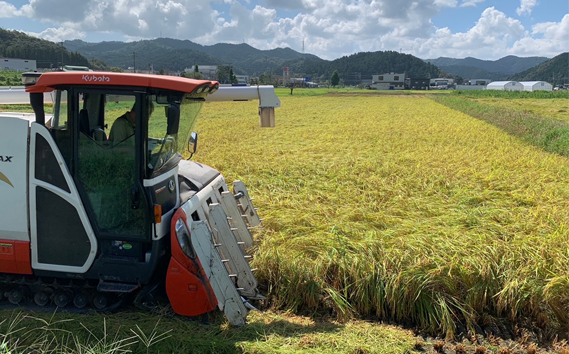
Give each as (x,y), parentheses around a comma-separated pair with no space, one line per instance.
(537,86)
(505,86)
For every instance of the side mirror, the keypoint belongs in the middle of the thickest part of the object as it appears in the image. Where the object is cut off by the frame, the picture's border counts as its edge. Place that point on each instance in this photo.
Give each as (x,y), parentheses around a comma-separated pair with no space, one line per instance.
(193,143)
(173,114)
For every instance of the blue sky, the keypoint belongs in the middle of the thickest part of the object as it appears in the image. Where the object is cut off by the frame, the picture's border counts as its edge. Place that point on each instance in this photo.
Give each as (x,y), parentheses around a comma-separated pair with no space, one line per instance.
(485,29)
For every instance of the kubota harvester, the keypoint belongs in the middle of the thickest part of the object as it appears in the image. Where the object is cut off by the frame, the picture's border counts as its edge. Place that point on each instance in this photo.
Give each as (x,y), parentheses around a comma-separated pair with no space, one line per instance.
(86,221)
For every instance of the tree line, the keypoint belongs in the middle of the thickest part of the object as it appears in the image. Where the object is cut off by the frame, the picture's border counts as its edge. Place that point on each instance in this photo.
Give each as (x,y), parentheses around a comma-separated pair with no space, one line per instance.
(18,45)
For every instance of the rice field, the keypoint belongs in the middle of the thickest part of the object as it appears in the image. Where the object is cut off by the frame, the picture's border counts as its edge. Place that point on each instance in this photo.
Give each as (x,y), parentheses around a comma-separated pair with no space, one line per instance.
(377,208)
(399,208)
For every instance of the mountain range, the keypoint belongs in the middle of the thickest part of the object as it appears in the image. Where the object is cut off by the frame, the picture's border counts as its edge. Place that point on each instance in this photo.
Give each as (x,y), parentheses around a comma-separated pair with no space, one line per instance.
(173,54)
(177,55)
(474,68)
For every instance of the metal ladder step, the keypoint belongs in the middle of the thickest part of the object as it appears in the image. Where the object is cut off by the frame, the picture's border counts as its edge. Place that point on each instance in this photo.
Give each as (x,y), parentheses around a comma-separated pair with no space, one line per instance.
(116,287)
(239,227)
(246,206)
(232,254)
(228,298)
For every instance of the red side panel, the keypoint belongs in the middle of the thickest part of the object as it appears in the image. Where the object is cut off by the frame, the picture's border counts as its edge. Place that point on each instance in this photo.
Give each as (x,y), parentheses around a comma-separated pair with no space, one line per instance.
(15,257)
(187,293)
(188,290)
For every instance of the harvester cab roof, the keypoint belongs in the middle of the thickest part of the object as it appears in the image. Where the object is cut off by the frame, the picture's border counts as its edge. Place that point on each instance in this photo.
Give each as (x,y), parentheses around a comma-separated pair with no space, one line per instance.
(113,205)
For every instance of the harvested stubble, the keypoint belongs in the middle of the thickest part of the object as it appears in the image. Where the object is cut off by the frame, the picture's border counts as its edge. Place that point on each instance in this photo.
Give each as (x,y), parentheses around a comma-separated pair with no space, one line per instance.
(400,208)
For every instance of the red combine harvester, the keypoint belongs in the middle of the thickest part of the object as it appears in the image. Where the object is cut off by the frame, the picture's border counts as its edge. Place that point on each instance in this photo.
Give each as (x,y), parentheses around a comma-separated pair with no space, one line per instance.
(95,213)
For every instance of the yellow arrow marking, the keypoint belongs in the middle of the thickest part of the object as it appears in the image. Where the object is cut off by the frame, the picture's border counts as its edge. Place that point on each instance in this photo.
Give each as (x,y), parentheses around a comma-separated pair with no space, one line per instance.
(3,178)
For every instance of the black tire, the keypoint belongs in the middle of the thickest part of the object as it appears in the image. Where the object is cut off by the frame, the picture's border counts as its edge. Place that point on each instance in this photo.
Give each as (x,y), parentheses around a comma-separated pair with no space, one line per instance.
(41,298)
(100,301)
(15,296)
(61,299)
(80,301)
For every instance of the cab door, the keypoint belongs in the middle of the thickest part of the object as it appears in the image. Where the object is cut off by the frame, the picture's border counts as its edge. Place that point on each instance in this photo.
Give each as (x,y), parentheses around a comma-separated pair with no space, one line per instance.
(109,173)
(61,236)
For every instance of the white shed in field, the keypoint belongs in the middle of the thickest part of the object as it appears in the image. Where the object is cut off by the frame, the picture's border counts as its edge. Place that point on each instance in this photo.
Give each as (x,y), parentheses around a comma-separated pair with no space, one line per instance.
(505,86)
(536,86)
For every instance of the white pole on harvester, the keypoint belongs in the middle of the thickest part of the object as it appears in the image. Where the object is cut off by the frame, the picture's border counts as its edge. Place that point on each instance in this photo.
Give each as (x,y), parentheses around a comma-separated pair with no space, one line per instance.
(268,100)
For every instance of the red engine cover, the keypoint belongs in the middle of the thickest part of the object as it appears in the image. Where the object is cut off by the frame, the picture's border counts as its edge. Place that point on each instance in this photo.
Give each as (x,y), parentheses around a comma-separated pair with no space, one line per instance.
(189,292)
(15,257)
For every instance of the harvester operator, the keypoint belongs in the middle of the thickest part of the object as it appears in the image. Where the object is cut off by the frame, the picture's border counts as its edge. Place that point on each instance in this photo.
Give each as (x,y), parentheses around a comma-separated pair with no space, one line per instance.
(123,127)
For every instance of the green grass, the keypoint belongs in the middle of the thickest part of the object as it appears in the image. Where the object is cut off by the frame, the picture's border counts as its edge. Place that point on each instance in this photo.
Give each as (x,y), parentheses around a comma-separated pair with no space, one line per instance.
(132,332)
(543,125)
(22,108)
(511,94)
(10,78)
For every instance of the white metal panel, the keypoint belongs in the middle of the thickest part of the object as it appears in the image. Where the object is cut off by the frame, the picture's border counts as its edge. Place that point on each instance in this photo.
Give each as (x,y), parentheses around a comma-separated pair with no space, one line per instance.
(265,94)
(228,299)
(163,228)
(232,210)
(13,179)
(229,249)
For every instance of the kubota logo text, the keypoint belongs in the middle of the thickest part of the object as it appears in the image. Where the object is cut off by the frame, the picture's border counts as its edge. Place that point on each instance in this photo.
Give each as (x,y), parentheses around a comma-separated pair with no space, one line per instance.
(96,78)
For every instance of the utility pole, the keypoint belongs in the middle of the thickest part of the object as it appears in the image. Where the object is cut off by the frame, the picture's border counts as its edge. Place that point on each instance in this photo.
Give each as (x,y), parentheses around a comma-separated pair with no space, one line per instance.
(134,64)
(62,55)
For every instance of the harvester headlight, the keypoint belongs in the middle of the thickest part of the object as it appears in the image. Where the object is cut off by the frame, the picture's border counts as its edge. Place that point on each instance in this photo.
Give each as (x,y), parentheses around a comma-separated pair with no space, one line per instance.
(183,235)
(204,88)
(30,78)
(214,88)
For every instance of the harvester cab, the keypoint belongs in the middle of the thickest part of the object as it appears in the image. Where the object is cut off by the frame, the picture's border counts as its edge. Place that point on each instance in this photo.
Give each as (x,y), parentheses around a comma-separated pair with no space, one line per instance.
(103,208)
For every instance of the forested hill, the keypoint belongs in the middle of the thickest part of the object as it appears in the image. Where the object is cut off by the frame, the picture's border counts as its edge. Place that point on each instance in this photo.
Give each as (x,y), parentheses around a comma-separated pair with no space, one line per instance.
(554,71)
(166,55)
(173,54)
(473,68)
(364,65)
(14,44)
(176,55)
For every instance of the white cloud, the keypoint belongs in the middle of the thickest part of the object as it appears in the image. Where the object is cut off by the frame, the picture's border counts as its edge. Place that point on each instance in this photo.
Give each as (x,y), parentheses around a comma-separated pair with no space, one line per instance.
(470,3)
(490,38)
(554,31)
(57,35)
(526,6)
(7,10)
(328,28)
(286,4)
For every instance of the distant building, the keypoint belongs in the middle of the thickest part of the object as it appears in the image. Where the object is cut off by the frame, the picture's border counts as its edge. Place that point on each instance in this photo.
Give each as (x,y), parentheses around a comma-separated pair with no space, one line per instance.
(417,84)
(482,82)
(440,83)
(391,81)
(75,68)
(536,86)
(301,82)
(241,79)
(18,64)
(505,86)
(209,72)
